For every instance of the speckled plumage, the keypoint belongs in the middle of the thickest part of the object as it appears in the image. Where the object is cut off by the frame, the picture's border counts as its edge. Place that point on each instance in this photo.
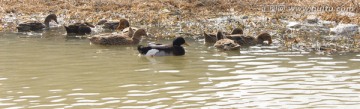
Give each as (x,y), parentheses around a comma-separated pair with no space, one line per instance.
(249,40)
(224,43)
(114,25)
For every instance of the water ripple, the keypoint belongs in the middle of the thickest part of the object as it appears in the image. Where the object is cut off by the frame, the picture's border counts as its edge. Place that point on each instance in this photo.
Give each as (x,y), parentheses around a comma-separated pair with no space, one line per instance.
(88,76)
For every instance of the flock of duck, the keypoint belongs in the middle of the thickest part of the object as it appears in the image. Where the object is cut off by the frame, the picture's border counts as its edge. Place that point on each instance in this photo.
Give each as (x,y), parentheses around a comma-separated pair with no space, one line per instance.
(132,36)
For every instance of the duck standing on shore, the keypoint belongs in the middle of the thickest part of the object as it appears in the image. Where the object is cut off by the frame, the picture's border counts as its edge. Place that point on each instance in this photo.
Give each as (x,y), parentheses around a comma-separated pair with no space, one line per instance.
(174,49)
(35,25)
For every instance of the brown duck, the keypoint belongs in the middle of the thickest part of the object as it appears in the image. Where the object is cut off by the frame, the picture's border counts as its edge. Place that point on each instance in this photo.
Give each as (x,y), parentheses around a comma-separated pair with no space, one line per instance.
(35,25)
(113,25)
(212,38)
(251,41)
(224,43)
(118,39)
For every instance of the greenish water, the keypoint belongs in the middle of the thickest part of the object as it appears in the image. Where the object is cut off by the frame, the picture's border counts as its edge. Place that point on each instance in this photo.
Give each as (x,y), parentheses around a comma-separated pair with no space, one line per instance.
(51,71)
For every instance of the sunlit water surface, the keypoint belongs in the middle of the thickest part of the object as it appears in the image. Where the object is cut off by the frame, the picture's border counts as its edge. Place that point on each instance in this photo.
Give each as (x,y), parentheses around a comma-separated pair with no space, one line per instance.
(51,71)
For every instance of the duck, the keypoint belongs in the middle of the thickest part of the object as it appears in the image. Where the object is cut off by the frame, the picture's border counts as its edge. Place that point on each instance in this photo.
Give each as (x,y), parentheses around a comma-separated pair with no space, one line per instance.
(174,49)
(114,25)
(250,40)
(226,44)
(119,38)
(79,28)
(212,38)
(35,25)
(237,31)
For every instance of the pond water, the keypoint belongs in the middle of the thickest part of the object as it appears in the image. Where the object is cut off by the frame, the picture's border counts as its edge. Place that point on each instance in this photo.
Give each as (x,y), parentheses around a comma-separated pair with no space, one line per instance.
(51,71)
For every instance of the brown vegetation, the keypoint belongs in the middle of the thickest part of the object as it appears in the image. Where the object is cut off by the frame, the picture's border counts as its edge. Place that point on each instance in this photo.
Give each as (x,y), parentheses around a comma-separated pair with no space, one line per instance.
(162,12)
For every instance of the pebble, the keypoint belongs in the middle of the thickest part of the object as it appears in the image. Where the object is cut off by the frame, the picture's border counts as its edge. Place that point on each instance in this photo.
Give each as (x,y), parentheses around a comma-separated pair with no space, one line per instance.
(345,29)
(293,25)
(312,19)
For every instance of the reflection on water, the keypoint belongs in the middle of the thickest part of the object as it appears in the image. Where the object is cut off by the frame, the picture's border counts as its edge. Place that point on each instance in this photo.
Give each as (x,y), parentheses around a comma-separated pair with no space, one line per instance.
(51,71)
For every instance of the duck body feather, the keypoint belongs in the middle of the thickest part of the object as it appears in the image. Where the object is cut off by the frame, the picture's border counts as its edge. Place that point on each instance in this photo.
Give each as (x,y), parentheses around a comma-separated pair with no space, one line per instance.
(112,39)
(30,26)
(36,25)
(119,38)
(174,49)
(79,29)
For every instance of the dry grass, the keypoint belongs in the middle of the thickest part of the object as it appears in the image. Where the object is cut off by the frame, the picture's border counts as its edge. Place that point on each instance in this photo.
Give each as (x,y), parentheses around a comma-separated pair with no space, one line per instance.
(162,12)
(167,15)
(147,8)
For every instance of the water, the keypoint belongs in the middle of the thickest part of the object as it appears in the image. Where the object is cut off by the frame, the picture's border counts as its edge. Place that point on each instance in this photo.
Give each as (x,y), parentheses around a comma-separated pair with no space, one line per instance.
(52,71)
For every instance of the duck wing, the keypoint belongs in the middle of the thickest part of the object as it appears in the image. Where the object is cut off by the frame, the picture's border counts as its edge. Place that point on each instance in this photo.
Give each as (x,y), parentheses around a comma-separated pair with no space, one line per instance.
(210,38)
(72,29)
(110,39)
(84,30)
(227,44)
(30,26)
(156,50)
(112,25)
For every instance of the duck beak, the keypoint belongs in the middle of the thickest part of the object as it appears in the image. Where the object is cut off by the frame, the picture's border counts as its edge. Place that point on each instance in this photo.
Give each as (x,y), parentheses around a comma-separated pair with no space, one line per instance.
(186,44)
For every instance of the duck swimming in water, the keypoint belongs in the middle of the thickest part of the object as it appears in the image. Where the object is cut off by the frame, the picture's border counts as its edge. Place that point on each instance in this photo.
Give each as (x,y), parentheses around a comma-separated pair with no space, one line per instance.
(212,38)
(114,25)
(251,41)
(35,25)
(119,39)
(79,28)
(224,43)
(174,49)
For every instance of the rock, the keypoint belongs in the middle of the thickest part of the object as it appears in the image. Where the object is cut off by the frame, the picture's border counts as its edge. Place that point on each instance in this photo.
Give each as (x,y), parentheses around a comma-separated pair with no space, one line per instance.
(331,38)
(165,11)
(293,25)
(245,17)
(345,29)
(312,19)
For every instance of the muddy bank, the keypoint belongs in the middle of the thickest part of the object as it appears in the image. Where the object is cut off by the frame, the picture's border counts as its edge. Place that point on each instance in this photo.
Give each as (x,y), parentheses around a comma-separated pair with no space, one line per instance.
(293,30)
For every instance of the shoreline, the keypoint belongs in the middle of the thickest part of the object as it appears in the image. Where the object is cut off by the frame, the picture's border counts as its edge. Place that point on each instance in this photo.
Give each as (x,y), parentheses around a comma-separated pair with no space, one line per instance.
(168,18)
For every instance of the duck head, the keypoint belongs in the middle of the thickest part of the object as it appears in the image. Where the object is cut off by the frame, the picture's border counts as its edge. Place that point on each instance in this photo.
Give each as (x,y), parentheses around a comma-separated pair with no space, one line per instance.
(264,37)
(237,31)
(137,35)
(179,41)
(219,35)
(123,23)
(50,18)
